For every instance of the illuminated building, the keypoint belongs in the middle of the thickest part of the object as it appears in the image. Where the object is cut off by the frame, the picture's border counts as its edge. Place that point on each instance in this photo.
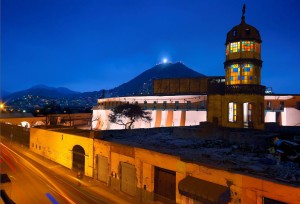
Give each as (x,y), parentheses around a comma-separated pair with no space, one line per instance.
(237,100)
(242,102)
(178,165)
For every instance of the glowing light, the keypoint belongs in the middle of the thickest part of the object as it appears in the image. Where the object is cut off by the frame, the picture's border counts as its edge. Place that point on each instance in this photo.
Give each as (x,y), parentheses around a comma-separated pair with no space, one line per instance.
(1,106)
(165,60)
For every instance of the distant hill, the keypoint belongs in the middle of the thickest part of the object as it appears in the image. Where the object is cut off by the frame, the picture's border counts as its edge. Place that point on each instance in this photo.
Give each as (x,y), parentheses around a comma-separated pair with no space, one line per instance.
(142,84)
(43,91)
(42,95)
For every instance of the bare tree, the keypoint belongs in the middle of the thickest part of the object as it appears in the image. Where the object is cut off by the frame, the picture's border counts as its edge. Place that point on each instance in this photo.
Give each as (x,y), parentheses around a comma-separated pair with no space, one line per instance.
(127,114)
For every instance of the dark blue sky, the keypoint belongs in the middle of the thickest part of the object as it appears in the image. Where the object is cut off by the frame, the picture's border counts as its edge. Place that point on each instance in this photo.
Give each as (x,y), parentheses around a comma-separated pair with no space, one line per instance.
(88,45)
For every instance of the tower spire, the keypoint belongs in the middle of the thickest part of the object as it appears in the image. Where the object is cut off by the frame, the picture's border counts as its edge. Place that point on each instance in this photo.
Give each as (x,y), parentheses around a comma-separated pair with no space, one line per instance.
(243,13)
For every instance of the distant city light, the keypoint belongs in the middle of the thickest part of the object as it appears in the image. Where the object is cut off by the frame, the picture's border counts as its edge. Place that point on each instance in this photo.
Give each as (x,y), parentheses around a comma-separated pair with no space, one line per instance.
(165,60)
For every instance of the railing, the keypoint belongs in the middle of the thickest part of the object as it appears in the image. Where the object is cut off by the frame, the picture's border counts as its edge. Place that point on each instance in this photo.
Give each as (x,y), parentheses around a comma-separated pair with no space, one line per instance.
(161,106)
(274,108)
(245,89)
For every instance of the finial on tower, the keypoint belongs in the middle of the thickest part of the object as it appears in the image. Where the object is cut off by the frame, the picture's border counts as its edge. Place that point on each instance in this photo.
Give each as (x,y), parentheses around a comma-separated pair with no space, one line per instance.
(243,13)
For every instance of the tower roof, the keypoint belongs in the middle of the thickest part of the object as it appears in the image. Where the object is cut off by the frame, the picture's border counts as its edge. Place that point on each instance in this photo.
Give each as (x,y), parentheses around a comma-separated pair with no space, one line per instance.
(243,31)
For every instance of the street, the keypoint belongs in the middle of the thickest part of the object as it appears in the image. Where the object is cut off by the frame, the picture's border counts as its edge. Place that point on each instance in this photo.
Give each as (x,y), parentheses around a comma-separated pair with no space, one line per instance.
(37,180)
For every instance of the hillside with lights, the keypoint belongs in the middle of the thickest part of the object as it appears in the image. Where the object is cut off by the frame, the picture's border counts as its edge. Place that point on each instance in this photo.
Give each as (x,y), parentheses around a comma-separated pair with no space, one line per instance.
(41,96)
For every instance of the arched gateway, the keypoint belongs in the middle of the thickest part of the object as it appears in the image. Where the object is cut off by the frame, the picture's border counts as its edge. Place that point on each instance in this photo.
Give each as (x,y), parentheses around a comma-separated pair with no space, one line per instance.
(78,158)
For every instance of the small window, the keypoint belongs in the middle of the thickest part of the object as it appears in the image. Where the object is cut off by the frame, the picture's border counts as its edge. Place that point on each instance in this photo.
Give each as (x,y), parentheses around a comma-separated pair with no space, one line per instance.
(234,33)
(188,105)
(176,105)
(164,105)
(202,104)
(154,104)
(268,105)
(247,31)
(281,105)
(145,104)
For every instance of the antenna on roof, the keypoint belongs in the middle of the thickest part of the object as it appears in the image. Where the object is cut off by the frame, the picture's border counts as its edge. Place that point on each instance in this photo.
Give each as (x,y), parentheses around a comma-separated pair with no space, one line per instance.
(243,13)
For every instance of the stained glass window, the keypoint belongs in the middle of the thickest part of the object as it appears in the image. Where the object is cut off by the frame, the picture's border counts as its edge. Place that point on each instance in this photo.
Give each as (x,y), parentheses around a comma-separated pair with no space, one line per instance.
(247,46)
(247,73)
(235,73)
(234,47)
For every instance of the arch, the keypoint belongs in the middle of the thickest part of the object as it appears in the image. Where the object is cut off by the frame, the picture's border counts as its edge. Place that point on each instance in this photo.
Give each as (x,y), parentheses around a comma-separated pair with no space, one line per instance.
(25,124)
(78,162)
(39,123)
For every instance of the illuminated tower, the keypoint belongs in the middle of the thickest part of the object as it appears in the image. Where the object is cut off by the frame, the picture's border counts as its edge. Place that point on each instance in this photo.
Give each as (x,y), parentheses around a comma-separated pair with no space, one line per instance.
(241,103)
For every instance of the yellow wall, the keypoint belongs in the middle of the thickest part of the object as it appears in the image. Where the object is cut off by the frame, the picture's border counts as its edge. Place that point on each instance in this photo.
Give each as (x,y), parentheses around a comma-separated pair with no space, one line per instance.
(244,188)
(58,147)
(218,108)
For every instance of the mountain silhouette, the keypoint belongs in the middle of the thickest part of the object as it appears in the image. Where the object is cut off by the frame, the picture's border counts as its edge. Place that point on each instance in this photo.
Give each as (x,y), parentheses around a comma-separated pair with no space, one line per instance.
(143,83)
(43,91)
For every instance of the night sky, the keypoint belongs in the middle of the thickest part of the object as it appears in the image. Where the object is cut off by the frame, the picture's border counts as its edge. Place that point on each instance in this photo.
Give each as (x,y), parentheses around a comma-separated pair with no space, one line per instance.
(88,45)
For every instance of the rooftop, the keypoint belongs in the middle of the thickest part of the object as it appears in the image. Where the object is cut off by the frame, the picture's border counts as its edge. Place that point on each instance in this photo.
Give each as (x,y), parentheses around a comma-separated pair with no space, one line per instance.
(243,151)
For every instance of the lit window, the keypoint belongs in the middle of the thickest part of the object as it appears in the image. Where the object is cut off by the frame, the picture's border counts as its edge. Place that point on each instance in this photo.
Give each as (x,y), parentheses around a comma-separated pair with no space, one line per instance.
(247,46)
(247,72)
(235,73)
(232,112)
(234,47)
(249,112)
